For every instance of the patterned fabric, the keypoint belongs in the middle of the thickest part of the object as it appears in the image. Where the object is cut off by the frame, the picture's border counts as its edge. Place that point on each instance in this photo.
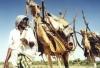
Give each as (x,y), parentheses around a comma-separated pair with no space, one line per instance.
(24,61)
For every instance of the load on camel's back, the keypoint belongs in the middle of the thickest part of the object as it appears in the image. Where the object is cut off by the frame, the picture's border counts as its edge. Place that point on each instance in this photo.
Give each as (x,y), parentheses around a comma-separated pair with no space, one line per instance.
(60,26)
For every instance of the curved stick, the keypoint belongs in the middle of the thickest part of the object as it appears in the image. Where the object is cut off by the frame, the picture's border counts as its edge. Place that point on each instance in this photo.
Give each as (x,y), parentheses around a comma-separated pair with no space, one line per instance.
(74,20)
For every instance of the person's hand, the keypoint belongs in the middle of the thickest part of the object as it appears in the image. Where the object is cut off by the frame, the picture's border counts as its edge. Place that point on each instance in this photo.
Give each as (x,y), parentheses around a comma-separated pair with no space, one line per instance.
(31,44)
(6,64)
(24,41)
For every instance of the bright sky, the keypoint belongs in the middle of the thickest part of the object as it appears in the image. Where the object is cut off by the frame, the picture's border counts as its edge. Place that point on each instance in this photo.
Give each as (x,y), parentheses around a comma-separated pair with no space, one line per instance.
(9,9)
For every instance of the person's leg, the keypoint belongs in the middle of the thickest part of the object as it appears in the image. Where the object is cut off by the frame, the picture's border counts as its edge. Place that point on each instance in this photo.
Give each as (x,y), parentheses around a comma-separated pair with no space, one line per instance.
(14,58)
(15,66)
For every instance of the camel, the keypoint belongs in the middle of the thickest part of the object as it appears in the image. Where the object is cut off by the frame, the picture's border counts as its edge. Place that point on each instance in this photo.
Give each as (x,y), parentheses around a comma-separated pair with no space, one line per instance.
(49,37)
(90,42)
(91,46)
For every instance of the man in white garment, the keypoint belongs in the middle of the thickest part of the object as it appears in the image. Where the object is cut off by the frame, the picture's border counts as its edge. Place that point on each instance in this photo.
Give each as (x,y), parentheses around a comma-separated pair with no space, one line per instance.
(21,40)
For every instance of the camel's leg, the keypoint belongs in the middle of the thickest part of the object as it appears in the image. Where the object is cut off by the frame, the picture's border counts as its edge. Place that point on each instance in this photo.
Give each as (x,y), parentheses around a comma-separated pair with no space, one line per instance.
(94,65)
(49,61)
(93,60)
(89,58)
(59,62)
(47,52)
(65,60)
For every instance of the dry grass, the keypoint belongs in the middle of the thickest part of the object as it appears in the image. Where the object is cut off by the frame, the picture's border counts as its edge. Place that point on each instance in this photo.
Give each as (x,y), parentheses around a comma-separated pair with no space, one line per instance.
(55,66)
(41,65)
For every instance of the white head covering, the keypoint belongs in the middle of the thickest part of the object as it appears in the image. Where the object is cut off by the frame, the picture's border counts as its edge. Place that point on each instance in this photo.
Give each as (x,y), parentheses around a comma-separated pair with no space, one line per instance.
(19,18)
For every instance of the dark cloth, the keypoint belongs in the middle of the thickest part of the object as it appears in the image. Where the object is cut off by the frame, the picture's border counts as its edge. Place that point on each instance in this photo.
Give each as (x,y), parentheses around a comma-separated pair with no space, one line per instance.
(40,46)
(24,61)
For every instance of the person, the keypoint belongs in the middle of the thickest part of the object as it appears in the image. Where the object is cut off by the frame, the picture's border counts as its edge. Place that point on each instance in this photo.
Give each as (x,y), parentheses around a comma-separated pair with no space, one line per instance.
(21,40)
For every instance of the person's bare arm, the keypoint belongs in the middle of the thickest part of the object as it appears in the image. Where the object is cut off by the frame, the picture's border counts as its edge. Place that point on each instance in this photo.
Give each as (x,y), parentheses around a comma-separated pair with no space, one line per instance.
(6,64)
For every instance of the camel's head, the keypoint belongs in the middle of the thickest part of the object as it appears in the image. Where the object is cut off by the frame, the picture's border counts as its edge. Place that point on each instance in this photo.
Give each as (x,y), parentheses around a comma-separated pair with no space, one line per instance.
(35,8)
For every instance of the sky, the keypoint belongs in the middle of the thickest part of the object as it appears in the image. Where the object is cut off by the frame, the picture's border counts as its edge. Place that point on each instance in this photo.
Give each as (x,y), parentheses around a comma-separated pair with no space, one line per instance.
(9,9)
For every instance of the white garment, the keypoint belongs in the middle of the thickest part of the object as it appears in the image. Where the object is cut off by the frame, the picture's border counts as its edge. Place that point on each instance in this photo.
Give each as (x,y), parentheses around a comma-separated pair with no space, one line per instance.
(15,43)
